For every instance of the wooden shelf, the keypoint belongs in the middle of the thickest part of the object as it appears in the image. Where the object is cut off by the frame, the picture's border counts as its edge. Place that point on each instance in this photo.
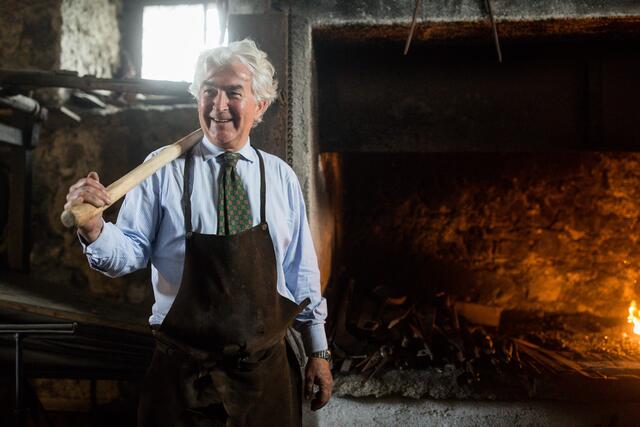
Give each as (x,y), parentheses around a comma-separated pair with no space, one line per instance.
(22,293)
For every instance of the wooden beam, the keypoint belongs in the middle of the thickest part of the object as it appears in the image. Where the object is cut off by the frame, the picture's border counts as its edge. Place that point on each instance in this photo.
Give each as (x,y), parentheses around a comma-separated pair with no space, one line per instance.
(38,78)
(19,221)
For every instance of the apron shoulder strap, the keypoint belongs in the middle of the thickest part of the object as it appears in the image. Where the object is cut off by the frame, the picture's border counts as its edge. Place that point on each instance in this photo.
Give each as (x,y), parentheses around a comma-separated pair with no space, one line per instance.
(263,189)
(186,193)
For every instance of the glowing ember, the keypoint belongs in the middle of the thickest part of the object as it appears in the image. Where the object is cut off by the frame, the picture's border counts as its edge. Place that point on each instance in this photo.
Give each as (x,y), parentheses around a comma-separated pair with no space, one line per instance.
(633,317)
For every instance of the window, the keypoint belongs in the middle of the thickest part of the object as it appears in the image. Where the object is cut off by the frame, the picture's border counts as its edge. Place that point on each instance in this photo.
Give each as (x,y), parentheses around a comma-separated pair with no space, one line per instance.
(173,36)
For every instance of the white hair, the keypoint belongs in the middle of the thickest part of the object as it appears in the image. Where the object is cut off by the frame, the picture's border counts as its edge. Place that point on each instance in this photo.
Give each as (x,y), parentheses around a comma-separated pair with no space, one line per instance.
(263,83)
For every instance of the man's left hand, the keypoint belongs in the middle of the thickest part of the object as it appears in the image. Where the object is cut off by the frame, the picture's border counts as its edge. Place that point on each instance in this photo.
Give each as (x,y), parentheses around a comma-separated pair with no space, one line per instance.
(318,372)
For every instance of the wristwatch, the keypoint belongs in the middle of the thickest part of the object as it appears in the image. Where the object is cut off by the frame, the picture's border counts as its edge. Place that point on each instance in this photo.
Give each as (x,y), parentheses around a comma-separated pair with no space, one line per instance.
(324,354)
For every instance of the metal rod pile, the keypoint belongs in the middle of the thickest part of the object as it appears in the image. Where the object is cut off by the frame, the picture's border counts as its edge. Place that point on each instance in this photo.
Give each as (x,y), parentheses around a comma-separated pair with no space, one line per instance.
(379,330)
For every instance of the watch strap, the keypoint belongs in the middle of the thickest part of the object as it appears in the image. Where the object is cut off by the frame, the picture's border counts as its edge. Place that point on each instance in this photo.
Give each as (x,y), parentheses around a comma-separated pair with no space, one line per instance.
(323,354)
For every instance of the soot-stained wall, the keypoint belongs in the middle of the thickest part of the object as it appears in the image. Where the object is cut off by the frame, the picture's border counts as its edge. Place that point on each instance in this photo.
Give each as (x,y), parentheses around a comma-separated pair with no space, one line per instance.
(552,231)
(495,183)
(30,33)
(457,97)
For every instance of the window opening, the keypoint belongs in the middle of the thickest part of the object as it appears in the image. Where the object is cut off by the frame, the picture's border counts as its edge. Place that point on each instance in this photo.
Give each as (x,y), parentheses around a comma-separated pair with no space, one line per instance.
(173,36)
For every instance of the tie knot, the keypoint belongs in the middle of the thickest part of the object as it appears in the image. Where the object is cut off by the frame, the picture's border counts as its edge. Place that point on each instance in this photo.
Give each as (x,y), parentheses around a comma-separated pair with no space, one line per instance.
(229,160)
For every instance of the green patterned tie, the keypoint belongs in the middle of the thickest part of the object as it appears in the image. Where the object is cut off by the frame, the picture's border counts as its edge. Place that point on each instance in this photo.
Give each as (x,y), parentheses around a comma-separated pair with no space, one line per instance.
(234,212)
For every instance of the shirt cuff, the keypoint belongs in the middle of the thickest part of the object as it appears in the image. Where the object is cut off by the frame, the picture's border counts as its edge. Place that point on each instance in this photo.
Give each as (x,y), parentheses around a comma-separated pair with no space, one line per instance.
(102,246)
(314,338)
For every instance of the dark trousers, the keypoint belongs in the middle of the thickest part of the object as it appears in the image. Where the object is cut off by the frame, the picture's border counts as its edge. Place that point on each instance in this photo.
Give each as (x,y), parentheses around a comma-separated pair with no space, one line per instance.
(263,389)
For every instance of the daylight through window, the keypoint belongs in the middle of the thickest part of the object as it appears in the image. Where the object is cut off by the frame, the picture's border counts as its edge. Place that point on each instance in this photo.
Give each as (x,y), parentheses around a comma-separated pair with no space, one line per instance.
(172,37)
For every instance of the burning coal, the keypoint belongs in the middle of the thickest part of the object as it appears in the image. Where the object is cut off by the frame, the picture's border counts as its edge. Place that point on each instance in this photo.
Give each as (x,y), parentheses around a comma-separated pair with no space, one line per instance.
(633,317)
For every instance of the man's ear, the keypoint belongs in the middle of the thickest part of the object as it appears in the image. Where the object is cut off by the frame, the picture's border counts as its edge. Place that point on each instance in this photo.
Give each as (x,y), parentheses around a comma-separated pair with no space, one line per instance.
(261,108)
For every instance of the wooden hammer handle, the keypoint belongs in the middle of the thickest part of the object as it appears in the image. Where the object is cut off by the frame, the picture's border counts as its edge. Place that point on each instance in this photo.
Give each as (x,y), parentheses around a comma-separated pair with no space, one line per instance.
(83,212)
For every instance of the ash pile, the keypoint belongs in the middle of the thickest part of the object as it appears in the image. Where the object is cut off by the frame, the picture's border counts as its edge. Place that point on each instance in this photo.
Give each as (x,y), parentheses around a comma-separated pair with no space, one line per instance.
(385,343)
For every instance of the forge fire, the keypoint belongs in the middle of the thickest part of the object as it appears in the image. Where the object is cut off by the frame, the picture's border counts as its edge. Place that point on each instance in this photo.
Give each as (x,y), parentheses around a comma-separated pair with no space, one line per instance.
(488,273)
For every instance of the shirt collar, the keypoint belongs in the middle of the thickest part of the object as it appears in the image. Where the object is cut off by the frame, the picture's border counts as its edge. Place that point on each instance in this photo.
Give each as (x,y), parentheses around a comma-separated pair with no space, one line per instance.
(211,151)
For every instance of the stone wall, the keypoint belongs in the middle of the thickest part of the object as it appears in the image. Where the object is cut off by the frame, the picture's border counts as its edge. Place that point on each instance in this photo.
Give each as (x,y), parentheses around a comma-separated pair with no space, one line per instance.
(77,35)
(90,37)
(30,34)
(552,231)
(112,143)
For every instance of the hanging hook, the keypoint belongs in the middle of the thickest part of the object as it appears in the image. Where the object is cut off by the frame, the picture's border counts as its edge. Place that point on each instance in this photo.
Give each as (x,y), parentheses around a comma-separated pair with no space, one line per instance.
(496,38)
(413,27)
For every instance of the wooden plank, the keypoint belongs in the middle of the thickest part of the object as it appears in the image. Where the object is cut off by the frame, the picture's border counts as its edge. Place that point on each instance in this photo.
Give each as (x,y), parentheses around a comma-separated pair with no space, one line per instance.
(38,78)
(479,314)
(10,135)
(22,293)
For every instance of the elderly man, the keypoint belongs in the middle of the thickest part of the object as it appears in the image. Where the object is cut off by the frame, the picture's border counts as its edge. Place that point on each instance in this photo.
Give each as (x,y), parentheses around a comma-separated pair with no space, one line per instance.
(233,263)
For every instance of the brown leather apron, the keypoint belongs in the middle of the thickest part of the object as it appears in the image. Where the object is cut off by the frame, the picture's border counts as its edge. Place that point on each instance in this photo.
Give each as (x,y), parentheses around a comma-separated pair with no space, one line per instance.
(221,357)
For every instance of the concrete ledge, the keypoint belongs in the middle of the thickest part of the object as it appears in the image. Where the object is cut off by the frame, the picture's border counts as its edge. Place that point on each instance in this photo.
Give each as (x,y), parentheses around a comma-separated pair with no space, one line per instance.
(410,412)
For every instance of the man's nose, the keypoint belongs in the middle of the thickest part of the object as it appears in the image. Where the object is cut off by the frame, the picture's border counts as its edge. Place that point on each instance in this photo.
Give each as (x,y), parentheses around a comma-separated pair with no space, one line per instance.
(221,102)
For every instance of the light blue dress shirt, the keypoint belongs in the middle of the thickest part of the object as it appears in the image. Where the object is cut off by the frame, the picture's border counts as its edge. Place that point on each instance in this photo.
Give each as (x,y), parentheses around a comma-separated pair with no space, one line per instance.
(151,226)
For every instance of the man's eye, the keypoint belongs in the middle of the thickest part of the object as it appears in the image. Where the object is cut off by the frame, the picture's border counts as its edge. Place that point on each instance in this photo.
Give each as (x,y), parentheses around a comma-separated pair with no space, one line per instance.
(235,95)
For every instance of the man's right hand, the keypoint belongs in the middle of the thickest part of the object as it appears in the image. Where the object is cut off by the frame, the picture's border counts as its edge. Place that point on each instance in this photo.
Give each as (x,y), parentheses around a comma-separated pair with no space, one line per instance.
(89,190)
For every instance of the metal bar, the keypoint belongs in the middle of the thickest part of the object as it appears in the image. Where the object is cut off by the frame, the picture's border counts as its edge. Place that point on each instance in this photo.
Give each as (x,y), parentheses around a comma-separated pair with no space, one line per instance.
(19,332)
(67,112)
(496,38)
(40,328)
(19,411)
(413,27)
(37,78)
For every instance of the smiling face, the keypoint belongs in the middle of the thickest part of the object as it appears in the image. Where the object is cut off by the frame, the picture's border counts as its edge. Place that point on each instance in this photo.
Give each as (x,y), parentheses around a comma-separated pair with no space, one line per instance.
(227,107)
